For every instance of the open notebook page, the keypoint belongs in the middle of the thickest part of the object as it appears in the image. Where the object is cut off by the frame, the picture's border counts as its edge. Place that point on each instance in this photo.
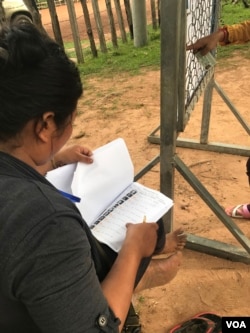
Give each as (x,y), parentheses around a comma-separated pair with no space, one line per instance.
(100,183)
(62,177)
(132,205)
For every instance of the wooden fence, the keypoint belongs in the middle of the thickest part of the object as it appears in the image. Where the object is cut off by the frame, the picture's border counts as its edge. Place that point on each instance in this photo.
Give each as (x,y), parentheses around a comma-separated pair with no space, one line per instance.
(93,24)
(44,4)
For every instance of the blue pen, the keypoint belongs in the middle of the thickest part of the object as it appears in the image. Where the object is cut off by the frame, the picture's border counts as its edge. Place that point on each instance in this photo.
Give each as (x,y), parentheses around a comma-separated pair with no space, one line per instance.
(71,197)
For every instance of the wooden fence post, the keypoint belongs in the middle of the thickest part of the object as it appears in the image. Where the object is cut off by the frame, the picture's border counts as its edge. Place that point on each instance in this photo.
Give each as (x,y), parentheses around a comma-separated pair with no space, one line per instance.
(55,22)
(129,18)
(153,12)
(159,11)
(112,23)
(76,37)
(99,26)
(89,27)
(120,20)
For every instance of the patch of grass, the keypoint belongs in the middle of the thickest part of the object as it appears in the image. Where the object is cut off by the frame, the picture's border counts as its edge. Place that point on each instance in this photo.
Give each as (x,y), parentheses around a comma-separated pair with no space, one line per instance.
(141,299)
(228,51)
(126,58)
(234,13)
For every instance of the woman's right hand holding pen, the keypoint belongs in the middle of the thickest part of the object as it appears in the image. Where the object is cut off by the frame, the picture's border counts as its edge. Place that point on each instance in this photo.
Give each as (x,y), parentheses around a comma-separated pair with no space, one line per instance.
(119,284)
(143,237)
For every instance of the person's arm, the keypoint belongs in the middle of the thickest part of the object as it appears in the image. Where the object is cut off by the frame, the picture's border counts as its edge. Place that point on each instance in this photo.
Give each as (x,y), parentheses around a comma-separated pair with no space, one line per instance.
(71,154)
(64,274)
(118,286)
(239,33)
(210,42)
(236,33)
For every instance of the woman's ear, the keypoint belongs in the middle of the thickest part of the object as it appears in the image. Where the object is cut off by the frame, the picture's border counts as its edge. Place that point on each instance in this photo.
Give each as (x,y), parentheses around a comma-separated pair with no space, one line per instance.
(46,126)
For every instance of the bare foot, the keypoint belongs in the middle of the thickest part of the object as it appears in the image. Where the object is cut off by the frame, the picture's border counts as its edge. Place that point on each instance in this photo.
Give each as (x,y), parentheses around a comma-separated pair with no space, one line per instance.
(175,241)
(160,272)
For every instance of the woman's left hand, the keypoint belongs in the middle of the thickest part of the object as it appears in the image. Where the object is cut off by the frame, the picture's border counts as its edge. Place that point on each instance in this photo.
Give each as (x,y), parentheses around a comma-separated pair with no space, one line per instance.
(73,154)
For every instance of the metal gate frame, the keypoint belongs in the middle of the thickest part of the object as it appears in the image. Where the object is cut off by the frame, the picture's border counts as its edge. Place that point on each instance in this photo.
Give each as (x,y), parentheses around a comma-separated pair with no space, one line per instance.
(173,49)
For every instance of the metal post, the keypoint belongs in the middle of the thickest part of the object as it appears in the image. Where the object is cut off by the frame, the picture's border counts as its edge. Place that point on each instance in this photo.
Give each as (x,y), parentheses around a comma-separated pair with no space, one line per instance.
(171,26)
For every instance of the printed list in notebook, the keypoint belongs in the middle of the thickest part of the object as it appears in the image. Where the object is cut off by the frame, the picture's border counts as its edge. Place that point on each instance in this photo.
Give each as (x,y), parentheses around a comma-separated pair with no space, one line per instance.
(109,196)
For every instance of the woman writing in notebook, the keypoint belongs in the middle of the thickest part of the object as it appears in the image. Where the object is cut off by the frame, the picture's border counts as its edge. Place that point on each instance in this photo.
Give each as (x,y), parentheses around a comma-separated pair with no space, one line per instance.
(55,276)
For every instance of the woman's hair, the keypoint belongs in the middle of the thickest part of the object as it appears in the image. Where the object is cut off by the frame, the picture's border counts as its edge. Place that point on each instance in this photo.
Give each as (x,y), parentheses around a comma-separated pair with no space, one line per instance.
(36,76)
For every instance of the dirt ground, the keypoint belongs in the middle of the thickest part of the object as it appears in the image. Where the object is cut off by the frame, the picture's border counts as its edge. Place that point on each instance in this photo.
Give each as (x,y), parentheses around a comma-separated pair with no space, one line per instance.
(128,106)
